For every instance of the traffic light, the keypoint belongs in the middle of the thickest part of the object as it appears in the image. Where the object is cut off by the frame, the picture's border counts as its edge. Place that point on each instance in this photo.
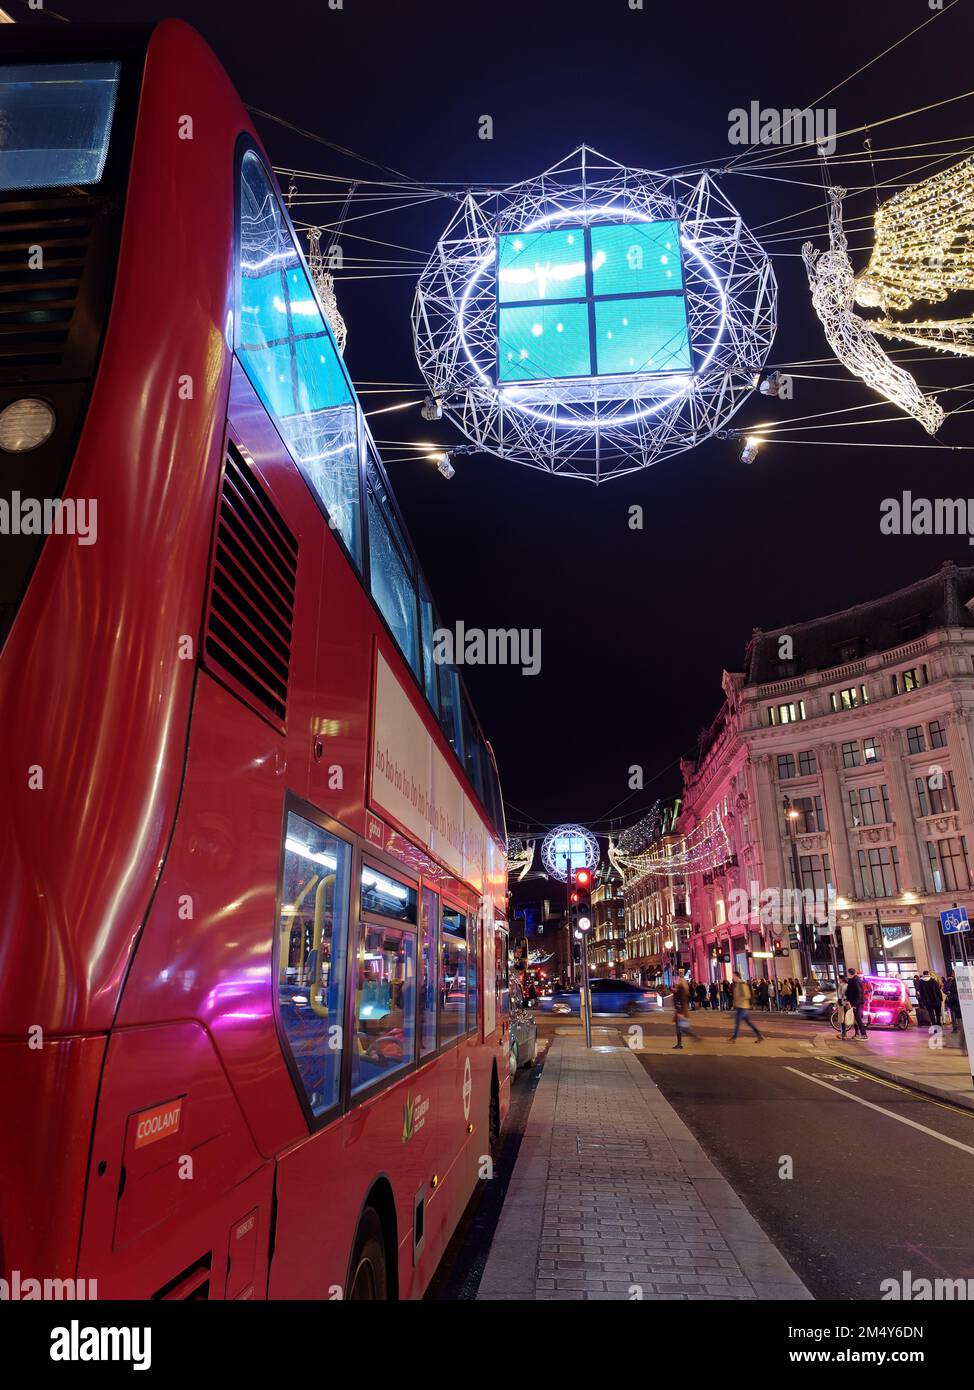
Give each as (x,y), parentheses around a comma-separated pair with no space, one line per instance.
(794,936)
(581,904)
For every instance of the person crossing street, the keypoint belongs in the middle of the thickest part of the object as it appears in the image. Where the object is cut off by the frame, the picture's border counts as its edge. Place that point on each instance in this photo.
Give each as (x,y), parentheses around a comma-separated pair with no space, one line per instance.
(742,1003)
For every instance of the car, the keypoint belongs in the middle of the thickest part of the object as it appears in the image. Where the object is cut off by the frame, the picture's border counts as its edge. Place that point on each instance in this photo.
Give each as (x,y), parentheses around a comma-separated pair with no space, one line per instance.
(524,1030)
(608,997)
(819,1003)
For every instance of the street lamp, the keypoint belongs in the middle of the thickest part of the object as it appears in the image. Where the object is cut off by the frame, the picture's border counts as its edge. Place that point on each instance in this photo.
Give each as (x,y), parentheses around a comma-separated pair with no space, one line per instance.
(791,816)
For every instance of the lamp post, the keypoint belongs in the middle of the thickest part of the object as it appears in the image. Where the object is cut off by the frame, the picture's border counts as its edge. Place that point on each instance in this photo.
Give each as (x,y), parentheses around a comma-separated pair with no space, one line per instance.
(791,817)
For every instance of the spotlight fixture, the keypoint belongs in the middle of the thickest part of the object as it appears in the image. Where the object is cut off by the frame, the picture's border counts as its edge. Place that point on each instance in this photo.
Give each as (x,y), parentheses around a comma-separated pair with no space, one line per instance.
(445,467)
(771,385)
(432,408)
(750,451)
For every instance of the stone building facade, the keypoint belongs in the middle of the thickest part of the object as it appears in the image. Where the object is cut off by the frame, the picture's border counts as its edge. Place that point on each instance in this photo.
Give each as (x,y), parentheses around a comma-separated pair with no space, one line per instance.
(841,763)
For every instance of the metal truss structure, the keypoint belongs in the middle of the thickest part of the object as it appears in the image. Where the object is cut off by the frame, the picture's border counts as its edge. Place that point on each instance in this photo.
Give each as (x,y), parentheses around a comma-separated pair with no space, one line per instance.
(596,427)
(852,339)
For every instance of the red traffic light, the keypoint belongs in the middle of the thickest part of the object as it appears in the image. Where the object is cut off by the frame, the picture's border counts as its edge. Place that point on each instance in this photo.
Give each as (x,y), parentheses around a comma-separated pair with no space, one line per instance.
(583,878)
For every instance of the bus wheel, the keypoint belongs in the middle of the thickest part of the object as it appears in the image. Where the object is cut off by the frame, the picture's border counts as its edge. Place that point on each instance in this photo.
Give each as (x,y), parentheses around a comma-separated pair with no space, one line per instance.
(368,1277)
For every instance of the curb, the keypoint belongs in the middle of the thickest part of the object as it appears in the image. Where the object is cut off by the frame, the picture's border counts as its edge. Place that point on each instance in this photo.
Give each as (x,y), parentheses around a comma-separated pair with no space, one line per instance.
(874,1067)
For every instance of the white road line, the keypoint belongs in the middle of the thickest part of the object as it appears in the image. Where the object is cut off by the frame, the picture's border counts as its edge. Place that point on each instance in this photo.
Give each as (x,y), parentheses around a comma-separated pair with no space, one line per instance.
(944,1138)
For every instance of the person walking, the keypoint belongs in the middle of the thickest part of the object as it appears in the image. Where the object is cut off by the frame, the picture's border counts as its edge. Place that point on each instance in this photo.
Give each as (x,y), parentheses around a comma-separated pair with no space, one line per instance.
(953,1004)
(714,995)
(786,996)
(742,1003)
(764,995)
(681,1010)
(855,996)
(725,994)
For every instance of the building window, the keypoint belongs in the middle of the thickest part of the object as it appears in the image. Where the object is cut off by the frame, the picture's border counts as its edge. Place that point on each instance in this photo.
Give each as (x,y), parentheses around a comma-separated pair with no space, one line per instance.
(786,766)
(879,872)
(850,755)
(786,714)
(810,815)
(934,800)
(429,912)
(870,806)
(850,698)
(914,678)
(938,734)
(949,869)
(807,763)
(914,739)
(872,751)
(815,873)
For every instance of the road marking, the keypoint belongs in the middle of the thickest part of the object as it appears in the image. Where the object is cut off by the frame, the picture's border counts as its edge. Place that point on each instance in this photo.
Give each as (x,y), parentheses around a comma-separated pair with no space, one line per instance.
(906,1091)
(914,1124)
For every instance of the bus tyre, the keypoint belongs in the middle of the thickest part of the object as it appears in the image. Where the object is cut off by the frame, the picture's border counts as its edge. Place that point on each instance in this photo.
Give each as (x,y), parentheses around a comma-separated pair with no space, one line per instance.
(367,1280)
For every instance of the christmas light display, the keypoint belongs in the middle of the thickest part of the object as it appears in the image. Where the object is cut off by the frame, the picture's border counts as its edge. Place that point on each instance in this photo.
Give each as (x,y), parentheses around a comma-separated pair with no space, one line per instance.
(569,842)
(702,849)
(324,283)
(923,251)
(594,319)
(832,282)
(520,858)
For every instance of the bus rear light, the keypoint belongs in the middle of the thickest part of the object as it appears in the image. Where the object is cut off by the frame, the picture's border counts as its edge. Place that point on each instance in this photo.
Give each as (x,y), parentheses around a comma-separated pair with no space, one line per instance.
(26,424)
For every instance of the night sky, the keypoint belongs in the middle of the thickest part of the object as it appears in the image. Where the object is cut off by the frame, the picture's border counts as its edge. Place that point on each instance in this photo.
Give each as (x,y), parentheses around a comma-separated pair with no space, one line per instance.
(636,626)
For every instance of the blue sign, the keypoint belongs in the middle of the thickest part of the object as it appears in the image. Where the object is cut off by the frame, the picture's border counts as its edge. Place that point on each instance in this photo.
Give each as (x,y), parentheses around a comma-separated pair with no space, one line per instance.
(954,920)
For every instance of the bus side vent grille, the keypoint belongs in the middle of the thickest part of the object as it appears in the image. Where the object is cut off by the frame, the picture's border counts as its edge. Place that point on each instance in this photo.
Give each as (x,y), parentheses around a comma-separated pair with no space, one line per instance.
(192,1286)
(251,606)
(42,258)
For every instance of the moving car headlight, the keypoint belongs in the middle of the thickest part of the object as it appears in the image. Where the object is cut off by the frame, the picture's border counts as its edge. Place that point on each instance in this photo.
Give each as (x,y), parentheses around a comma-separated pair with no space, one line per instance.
(26,424)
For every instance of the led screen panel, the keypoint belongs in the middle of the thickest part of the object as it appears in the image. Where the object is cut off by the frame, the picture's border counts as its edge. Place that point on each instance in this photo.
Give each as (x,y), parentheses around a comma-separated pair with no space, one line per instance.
(641,335)
(539,342)
(541,265)
(637,258)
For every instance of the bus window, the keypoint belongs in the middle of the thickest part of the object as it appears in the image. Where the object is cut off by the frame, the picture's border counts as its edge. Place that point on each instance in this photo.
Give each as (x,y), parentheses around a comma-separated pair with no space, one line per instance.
(473,970)
(450,707)
(55,119)
(453,975)
(391,568)
(385,1004)
(471,749)
(427,985)
(429,666)
(311,957)
(287,351)
(387,896)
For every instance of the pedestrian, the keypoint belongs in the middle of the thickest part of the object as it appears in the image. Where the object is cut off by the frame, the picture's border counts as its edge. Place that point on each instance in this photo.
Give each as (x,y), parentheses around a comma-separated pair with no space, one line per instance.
(681,1010)
(855,997)
(931,997)
(714,995)
(764,995)
(742,1002)
(953,1004)
(786,996)
(701,992)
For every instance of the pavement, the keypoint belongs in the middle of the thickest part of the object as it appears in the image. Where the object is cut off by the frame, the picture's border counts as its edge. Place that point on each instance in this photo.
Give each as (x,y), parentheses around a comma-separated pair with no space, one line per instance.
(612,1197)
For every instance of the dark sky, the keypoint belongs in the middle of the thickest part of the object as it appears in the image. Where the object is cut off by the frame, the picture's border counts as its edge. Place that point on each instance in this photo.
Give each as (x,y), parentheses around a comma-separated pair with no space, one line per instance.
(636,626)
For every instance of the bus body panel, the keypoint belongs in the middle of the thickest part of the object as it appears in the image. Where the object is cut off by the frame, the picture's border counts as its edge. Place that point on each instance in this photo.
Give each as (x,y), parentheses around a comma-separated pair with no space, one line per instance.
(91,686)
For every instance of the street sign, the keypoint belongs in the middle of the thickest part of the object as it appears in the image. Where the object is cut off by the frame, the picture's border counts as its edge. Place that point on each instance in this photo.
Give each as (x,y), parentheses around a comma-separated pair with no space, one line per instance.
(954,920)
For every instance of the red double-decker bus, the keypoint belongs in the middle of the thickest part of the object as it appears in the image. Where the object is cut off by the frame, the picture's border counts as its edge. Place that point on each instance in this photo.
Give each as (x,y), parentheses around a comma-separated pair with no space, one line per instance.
(253,1024)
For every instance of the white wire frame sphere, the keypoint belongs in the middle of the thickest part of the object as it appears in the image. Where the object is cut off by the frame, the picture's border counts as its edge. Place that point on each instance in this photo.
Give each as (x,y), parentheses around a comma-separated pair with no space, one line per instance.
(596,427)
(566,841)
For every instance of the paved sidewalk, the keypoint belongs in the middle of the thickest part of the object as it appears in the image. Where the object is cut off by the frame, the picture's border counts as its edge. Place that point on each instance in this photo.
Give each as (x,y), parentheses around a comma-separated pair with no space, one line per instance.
(908,1058)
(613,1198)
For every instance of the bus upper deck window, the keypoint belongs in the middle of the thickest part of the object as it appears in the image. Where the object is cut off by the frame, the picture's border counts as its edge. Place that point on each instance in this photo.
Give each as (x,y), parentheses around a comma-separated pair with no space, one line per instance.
(55,123)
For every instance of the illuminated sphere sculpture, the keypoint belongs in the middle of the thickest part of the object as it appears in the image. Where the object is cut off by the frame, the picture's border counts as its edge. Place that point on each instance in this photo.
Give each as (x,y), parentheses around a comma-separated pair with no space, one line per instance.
(569,842)
(594,319)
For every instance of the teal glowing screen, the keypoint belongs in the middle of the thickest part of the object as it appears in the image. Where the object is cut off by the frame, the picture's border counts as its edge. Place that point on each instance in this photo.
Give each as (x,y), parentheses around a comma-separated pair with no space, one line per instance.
(581,301)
